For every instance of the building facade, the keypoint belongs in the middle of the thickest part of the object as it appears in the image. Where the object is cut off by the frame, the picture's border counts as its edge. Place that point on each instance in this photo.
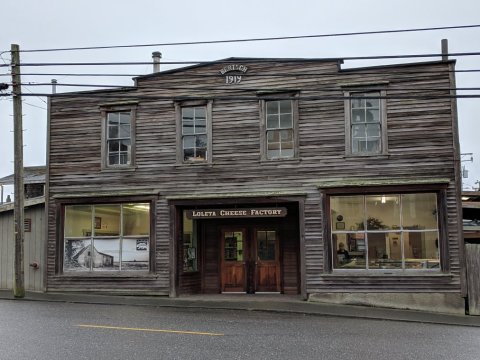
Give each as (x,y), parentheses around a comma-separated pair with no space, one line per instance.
(290,176)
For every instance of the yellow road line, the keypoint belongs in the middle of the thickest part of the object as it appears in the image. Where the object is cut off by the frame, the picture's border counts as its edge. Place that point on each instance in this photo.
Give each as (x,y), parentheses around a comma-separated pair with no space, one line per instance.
(149,330)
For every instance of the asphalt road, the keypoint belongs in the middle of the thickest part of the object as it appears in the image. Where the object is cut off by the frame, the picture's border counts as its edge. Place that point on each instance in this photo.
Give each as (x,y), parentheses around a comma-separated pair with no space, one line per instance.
(46,330)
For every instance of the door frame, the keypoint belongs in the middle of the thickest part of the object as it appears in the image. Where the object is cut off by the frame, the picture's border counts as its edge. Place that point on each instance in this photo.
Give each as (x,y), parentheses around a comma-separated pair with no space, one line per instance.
(246,255)
(277,261)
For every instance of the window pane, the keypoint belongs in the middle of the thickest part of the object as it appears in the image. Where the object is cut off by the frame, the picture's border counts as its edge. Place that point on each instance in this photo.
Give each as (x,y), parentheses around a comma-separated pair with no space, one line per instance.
(113,159)
(272,122)
(356,103)
(383,212)
(371,146)
(107,220)
(373,130)
(113,132)
(286,121)
(113,118)
(273,136)
(272,107)
(188,142)
(421,250)
(113,145)
(384,251)
(347,212)
(124,118)
(358,131)
(358,115)
(200,113)
(187,114)
(372,103)
(106,254)
(372,116)
(285,107)
(233,247)
(348,251)
(286,135)
(76,255)
(287,152)
(419,211)
(124,145)
(136,219)
(135,254)
(190,256)
(187,127)
(200,154)
(287,145)
(124,131)
(201,141)
(200,127)
(271,154)
(78,220)
(124,158)
(274,146)
(188,154)
(266,241)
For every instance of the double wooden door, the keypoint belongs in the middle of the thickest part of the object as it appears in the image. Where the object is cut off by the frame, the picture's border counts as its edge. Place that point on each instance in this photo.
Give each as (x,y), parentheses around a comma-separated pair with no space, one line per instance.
(250,260)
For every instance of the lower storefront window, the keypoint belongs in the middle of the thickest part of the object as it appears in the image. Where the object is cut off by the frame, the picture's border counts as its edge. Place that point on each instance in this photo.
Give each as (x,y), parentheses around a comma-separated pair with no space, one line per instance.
(385,231)
(107,237)
(190,258)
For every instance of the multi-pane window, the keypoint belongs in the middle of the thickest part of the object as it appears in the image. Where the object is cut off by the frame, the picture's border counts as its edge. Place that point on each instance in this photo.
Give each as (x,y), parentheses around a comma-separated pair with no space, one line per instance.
(366,125)
(107,237)
(194,133)
(385,231)
(190,247)
(279,128)
(119,138)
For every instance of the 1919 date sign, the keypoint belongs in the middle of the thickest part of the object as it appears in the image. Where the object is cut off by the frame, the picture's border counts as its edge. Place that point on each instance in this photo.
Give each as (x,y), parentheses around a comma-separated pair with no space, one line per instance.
(233,73)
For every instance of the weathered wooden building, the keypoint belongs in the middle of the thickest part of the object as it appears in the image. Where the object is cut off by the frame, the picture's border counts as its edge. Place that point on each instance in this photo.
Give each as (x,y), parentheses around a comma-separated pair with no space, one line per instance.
(261,175)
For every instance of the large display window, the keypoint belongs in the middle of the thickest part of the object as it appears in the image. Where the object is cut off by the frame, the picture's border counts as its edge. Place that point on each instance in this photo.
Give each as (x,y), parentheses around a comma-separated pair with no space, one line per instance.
(385,231)
(107,237)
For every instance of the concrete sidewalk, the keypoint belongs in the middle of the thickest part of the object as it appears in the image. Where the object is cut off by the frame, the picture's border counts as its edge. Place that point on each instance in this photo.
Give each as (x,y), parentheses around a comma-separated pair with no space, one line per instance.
(258,302)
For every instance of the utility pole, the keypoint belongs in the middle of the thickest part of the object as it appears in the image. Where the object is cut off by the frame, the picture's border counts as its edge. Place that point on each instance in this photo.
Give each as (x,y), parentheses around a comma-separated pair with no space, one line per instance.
(18,282)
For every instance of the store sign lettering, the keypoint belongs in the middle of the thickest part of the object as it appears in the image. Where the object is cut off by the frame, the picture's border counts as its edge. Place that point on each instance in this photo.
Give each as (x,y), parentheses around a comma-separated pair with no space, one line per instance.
(233,78)
(236,213)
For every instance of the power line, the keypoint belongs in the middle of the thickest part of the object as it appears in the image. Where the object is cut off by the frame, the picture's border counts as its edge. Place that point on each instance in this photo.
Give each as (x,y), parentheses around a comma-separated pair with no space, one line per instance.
(257,39)
(121,97)
(313,88)
(246,61)
(295,74)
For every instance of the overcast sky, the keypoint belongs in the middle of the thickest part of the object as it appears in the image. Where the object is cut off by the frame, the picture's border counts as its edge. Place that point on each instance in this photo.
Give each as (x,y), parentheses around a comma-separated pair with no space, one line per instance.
(37,24)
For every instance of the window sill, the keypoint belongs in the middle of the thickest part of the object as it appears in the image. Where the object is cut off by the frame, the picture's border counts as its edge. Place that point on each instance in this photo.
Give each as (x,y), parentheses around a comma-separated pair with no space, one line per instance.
(371,156)
(119,168)
(342,273)
(194,163)
(295,160)
(107,274)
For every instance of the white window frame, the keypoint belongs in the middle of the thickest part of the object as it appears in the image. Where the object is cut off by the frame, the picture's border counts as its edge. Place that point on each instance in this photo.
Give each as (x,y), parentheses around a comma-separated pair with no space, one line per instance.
(349,96)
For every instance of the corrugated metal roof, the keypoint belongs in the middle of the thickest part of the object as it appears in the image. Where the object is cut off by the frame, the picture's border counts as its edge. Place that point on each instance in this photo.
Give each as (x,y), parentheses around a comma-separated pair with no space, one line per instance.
(31,175)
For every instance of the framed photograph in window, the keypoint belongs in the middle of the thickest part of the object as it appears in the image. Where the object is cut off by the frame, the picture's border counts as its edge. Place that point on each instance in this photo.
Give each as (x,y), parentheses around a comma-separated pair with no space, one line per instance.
(340,225)
(98,222)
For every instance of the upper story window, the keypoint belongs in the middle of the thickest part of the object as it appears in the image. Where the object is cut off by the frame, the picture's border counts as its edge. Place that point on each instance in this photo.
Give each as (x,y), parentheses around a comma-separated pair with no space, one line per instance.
(118,136)
(279,129)
(366,123)
(194,132)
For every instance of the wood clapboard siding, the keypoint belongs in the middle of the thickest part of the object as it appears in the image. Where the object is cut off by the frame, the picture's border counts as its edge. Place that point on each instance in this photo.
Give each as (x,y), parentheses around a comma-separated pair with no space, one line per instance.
(34,249)
(420,146)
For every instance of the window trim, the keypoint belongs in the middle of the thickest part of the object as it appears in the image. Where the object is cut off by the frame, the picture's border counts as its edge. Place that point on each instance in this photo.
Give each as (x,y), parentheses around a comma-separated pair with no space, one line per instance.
(112,108)
(208,104)
(293,97)
(383,121)
(442,222)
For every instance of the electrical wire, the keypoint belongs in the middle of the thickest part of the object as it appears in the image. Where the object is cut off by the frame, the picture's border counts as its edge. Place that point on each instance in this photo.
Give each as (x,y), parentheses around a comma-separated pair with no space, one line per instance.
(249,60)
(276,38)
